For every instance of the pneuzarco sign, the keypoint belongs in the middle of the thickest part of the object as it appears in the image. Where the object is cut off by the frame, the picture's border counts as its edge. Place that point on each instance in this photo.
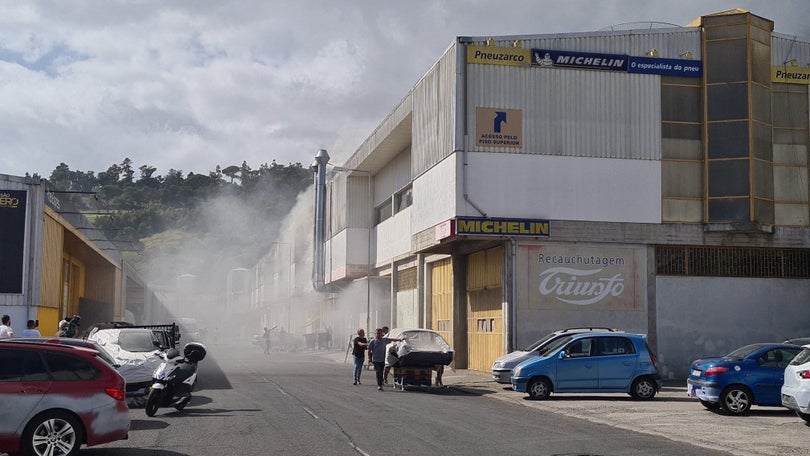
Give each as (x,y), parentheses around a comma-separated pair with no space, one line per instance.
(488,55)
(581,277)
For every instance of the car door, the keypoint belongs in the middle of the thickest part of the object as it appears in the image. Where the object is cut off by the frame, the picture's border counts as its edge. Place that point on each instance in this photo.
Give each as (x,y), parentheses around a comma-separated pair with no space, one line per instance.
(577,370)
(617,359)
(768,374)
(24,381)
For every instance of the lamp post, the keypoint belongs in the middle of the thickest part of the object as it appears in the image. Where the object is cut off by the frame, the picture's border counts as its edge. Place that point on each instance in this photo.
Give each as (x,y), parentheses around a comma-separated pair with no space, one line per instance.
(369,224)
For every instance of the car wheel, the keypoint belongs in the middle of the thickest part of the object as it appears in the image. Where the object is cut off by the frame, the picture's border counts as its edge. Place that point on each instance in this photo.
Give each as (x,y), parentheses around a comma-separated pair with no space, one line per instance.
(736,400)
(643,389)
(539,389)
(804,416)
(710,405)
(52,433)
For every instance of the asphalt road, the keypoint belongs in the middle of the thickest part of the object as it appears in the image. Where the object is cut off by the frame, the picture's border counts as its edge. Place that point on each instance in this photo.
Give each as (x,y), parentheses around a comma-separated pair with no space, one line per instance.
(304,404)
(671,415)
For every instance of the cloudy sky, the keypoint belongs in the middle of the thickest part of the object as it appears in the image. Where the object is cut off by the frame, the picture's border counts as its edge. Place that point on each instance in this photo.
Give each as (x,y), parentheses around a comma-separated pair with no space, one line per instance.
(189,85)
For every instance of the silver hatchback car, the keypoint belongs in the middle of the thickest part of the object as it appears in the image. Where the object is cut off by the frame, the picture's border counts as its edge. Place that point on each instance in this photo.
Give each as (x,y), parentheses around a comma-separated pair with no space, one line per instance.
(502,367)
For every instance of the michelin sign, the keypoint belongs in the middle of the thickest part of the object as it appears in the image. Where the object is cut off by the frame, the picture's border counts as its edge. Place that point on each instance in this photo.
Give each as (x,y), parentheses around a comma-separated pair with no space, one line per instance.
(547,58)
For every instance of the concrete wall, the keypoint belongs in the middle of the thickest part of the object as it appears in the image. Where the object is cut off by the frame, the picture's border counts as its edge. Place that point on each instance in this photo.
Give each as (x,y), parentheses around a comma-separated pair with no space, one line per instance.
(393,237)
(434,195)
(707,316)
(564,188)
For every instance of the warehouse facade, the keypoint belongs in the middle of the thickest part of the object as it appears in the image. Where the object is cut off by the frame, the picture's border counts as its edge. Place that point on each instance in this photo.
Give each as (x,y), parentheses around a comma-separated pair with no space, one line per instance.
(652,180)
(56,264)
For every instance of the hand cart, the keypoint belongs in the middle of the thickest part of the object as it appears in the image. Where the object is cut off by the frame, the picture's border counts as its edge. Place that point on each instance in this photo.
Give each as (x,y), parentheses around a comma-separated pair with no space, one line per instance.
(412,376)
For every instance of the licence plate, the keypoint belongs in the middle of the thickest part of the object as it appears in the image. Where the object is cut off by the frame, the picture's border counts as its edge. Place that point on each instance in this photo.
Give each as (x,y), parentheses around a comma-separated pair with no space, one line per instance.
(696,373)
(691,391)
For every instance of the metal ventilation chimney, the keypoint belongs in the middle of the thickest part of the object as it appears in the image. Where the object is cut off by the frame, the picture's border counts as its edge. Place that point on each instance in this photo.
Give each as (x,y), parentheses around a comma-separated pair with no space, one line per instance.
(319,169)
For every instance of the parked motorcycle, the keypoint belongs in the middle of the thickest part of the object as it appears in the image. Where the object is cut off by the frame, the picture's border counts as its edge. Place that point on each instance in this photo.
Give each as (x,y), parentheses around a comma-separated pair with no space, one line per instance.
(174,378)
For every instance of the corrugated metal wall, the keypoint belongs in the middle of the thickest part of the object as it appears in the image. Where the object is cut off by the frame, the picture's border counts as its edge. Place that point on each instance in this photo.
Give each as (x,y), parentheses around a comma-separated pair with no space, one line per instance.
(434,104)
(357,205)
(335,213)
(51,280)
(347,202)
(102,283)
(785,48)
(576,112)
(393,177)
(485,309)
(573,112)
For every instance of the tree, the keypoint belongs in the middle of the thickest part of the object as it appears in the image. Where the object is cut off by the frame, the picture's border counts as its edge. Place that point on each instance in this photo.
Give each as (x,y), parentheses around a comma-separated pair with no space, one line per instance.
(127,172)
(231,172)
(111,176)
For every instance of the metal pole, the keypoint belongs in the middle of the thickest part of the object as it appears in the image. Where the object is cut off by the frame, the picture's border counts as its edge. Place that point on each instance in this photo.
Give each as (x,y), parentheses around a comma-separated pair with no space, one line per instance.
(368,255)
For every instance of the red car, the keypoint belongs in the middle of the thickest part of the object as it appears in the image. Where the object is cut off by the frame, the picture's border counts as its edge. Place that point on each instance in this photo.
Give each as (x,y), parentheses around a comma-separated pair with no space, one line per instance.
(57,397)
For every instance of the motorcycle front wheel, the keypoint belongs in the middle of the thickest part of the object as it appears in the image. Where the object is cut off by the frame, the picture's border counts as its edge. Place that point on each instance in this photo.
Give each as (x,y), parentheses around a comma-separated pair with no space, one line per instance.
(152,402)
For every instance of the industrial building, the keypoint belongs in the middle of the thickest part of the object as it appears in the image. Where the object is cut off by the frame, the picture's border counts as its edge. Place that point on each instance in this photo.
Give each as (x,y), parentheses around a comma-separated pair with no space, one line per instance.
(56,264)
(652,179)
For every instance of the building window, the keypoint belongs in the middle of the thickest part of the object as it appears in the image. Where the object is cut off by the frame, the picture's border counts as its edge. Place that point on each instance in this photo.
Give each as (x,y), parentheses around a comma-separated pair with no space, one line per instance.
(382,212)
(486,325)
(403,198)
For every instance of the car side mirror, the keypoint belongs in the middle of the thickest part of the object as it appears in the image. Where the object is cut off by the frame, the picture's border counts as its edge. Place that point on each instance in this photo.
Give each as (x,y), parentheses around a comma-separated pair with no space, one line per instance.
(563,354)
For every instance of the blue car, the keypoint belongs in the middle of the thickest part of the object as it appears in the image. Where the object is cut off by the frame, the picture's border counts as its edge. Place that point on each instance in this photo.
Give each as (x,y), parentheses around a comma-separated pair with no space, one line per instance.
(590,363)
(750,375)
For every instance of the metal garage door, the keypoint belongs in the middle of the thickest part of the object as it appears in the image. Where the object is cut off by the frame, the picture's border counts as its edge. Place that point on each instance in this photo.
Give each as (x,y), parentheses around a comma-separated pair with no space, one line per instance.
(484,307)
(441,294)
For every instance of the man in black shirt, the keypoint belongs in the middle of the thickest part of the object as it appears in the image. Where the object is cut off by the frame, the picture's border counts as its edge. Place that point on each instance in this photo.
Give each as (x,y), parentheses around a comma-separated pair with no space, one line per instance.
(359,345)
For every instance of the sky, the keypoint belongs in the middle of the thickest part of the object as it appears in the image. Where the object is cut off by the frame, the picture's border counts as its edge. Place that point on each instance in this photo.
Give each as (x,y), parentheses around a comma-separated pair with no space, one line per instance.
(189,85)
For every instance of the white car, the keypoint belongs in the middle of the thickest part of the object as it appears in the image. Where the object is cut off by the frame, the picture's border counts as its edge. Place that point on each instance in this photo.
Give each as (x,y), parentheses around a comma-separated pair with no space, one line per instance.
(796,388)
(133,350)
(502,367)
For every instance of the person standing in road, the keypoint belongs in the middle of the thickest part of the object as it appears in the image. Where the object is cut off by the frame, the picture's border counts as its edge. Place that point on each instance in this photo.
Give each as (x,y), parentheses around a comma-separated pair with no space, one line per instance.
(32,330)
(266,339)
(377,350)
(387,370)
(359,345)
(5,329)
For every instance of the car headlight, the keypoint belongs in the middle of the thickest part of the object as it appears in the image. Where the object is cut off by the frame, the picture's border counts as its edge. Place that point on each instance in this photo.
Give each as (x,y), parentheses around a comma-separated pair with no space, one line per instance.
(498,365)
(516,371)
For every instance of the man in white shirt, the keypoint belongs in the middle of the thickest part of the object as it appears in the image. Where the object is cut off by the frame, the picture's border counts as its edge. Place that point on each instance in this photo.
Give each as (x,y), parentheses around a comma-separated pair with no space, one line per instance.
(5,329)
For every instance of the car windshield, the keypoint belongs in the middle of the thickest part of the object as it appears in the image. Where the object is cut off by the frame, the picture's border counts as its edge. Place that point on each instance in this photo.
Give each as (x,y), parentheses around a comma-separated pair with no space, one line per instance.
(140,341)
(540,342)
(799,341)
(426,340)
(557,343)
(742,352)
(802,357)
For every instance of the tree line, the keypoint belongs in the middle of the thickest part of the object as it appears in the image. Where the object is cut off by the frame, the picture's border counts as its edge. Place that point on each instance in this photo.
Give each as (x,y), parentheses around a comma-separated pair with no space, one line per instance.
(137,206)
